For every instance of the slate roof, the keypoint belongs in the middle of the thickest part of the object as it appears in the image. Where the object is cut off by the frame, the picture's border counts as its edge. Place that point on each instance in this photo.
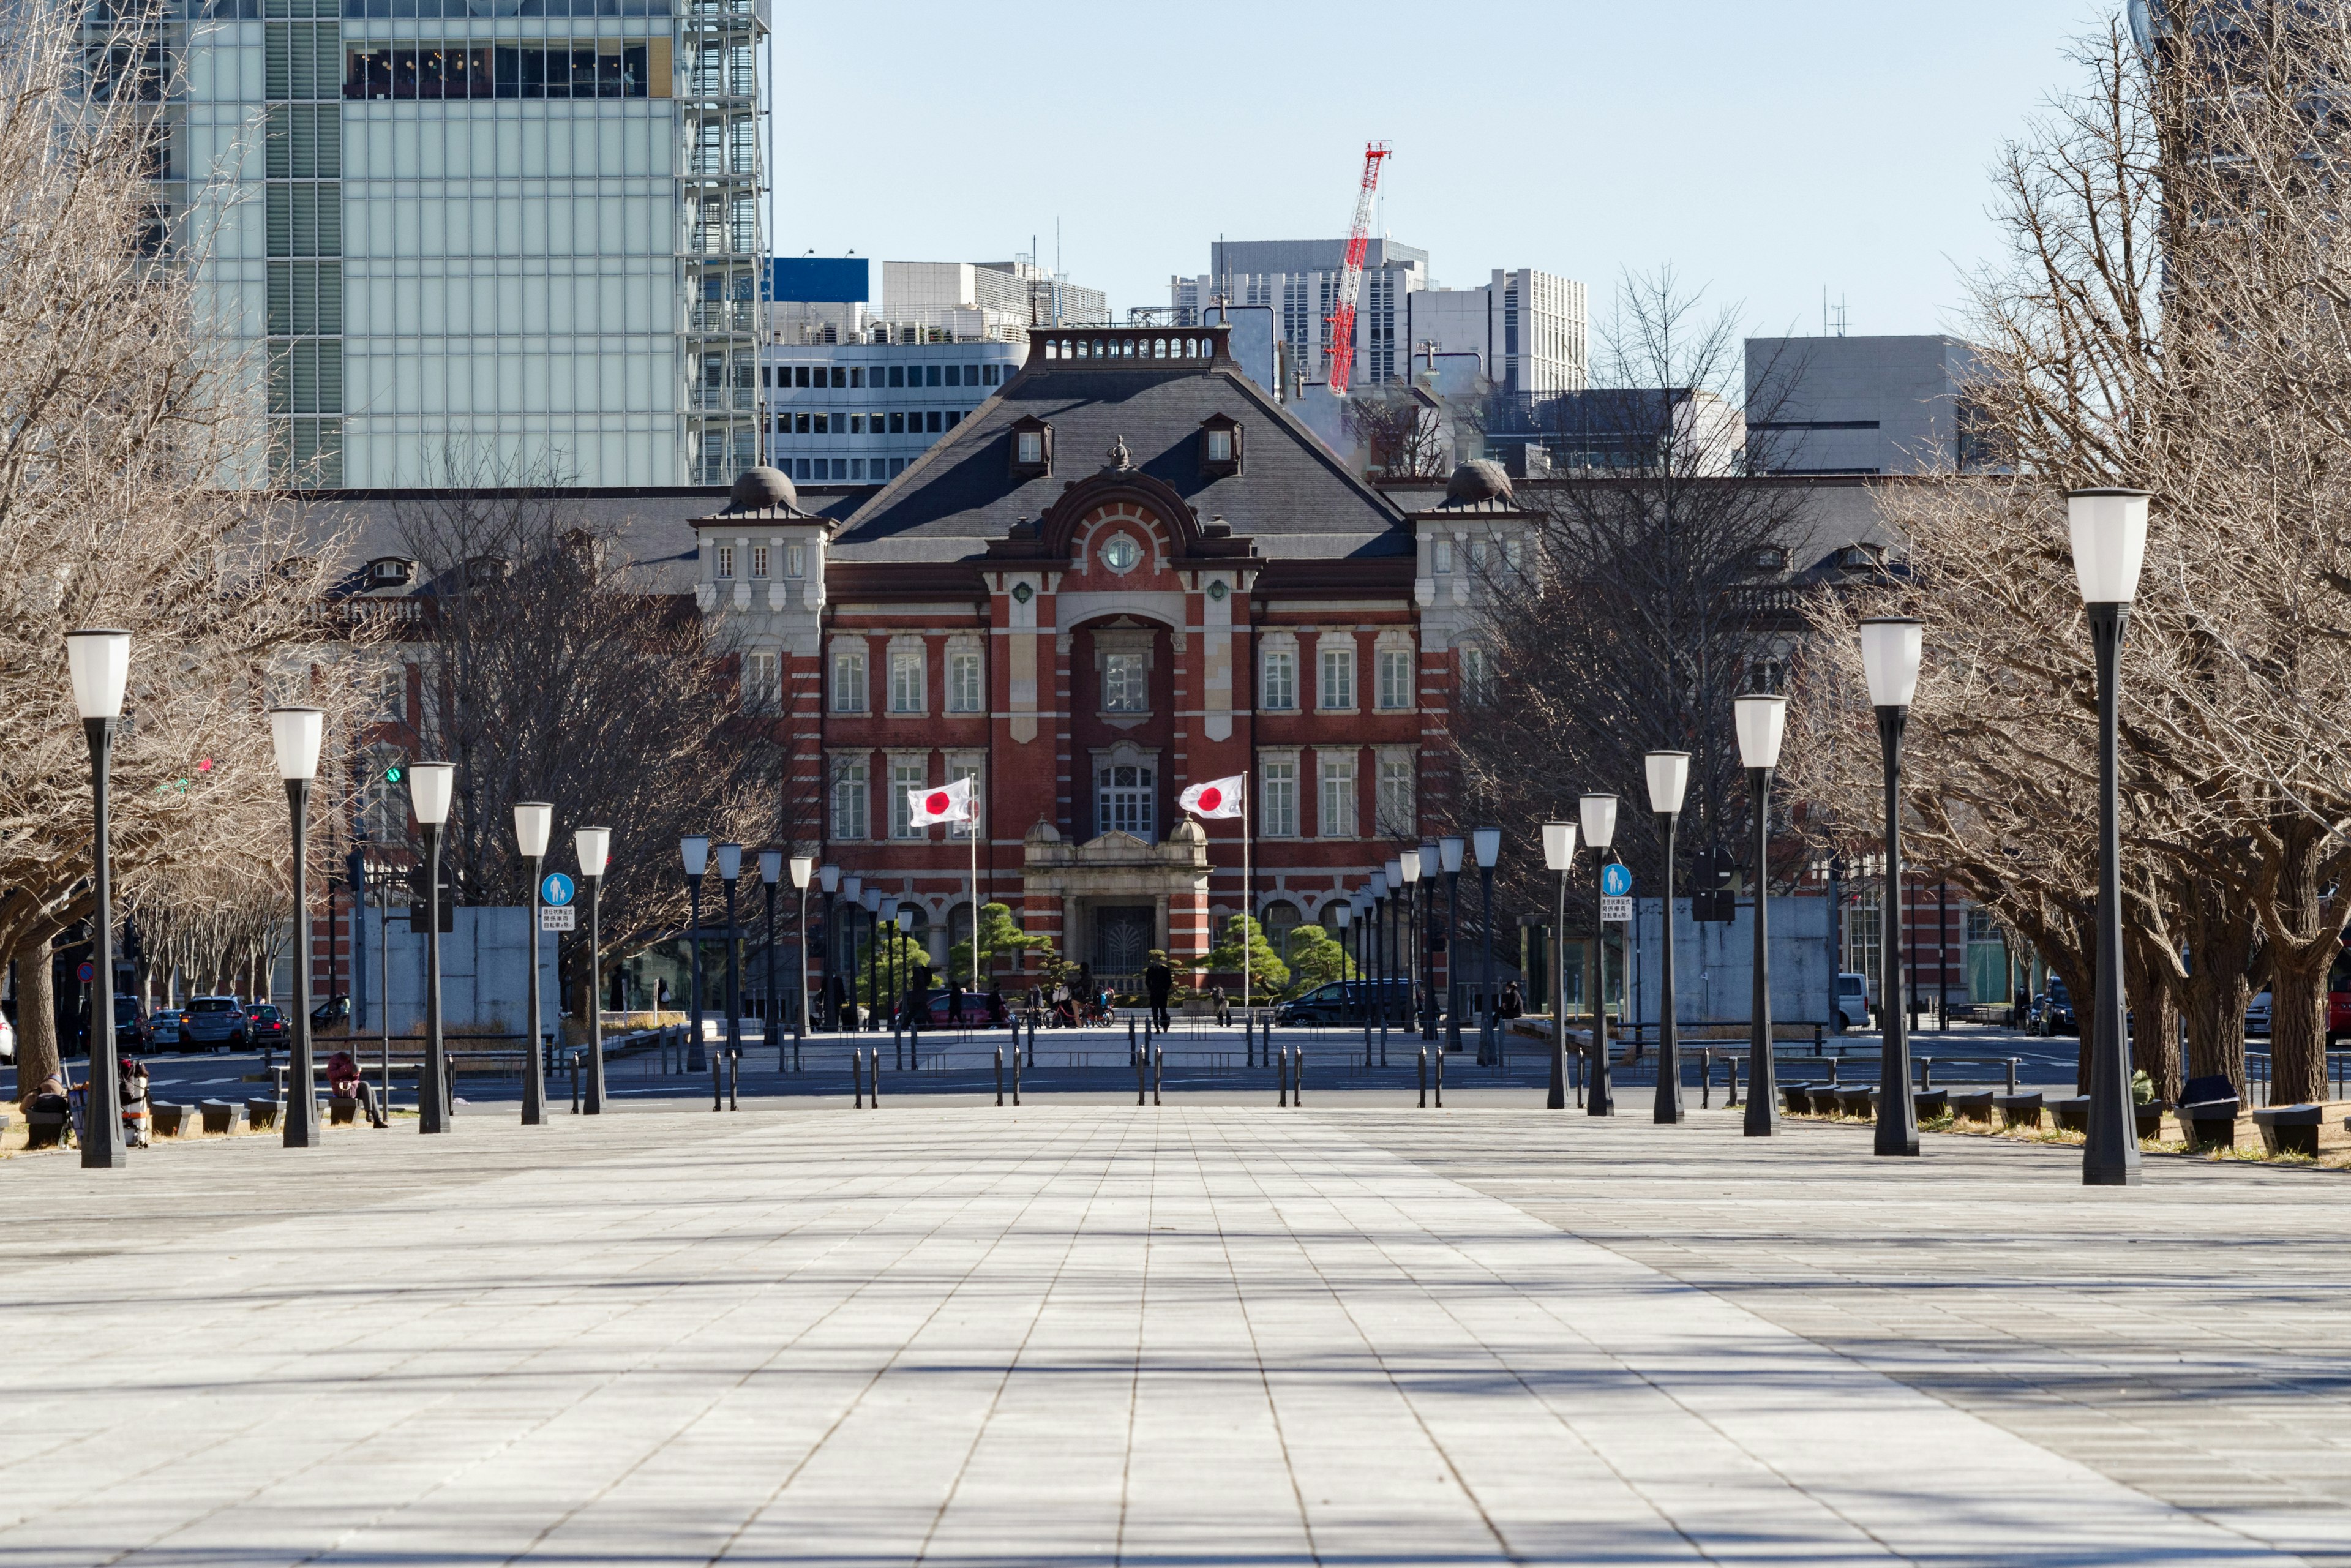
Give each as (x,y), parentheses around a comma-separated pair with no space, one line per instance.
(1293,498)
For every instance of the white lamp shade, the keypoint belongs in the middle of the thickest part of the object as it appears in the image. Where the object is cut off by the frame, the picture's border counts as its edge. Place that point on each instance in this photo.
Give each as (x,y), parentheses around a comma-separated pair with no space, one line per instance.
(1890,649)
(100,662)
(2110,530)
(771,866)
(1448,852)
(1396,877)
(593,846)
(1409,862)
(1762,723)
(1488,842)
(1431,858)
(1558,845)
(1598,813)
(871,898)
(1341,911)
(906,918)
(429,784)
(695,850)
(1668,779)
(730,862)
(849,886)
(803,867)
(534,822)
(1379,884)
(296,733)
(828,877)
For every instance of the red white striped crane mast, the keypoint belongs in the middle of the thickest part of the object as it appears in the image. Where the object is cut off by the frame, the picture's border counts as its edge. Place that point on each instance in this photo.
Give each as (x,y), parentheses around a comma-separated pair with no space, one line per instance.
(1351,277)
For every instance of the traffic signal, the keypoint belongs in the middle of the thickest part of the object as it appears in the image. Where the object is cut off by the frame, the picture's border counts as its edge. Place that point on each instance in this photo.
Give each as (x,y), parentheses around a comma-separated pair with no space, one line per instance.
(1711,900)
(418,891)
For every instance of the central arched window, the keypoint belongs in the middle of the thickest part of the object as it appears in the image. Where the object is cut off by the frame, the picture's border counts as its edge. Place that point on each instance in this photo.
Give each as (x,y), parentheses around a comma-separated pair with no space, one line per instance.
(1126,799)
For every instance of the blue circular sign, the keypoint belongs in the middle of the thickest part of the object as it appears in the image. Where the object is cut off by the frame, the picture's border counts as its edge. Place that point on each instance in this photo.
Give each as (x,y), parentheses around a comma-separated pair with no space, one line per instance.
(1615,879)
(555,889)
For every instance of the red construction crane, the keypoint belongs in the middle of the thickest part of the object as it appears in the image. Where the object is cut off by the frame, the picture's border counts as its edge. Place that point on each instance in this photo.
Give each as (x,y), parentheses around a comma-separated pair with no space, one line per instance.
(1351,278)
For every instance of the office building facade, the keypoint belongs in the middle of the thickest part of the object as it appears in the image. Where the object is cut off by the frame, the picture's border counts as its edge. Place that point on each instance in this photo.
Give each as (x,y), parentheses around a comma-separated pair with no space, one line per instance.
(1299,281)
(859,413)
(483,237)
(1860,405)
(1528,329)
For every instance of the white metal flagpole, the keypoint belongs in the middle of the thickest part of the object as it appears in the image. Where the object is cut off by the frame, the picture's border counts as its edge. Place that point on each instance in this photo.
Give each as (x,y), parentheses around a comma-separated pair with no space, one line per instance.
(1248,915)
(977,989)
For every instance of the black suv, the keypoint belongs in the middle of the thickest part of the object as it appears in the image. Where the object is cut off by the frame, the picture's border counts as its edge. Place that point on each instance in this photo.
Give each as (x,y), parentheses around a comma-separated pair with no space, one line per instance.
(1344,1001)
(2052,1011)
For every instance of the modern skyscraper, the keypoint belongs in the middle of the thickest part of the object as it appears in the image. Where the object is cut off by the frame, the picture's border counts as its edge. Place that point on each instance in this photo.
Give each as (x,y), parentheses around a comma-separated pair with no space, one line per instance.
(486,237)
(1299,279)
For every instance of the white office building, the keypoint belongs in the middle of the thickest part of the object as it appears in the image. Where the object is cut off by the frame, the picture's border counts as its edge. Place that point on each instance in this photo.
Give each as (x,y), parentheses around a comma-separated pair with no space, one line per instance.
(1893,405)
(1299,281)
(483,237)
(859,413)
(1527,328)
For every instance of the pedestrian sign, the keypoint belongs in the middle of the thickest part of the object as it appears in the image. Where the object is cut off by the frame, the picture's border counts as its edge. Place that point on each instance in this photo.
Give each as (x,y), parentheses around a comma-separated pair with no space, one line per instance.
(556,889)
(1616,880)
(558,917)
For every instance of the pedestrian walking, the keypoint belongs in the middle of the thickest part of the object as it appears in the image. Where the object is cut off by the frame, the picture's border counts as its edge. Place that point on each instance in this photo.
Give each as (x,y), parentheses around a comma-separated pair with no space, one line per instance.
(1158,982)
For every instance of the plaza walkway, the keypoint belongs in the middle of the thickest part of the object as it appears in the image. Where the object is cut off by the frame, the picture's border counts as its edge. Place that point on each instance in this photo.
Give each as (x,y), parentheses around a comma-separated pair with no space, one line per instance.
(944,1333)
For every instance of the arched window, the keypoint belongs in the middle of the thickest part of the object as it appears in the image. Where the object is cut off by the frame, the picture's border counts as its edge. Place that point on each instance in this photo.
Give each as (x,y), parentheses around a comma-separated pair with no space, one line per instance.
(1126,799)
(1052,350)
(1158,347)
(1279,919)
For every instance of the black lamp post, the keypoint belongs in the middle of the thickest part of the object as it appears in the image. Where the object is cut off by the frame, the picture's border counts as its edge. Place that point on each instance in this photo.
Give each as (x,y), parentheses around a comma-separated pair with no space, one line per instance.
(1448,857)
(1761,720)
(902,981)
(772,876)
(828,880)
(534,820)
(1488,844)
(1559,857)
(730,869)
(295,734)
(853,893)
(871,898)
(100,664)
(429,786)
(2110,530)
(1425,894)
(592,845)
(694,849)
(1668,781)
(1598,815)
(1381,923)
(1890,649)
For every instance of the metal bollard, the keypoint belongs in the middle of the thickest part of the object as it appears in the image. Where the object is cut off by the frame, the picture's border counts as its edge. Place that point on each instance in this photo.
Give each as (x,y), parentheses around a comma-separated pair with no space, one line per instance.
(1158,1071)
(1441,1080)
(874,1076)
(1136,1062)
(1129,1040)
(575,1084)
(999,1076)
(734,1080)
(1424,1078)
(2011,1074)
(1282,1079)
(1249,1040)
(1297,1078)
(1705,1080)
(1732,1098)
(1016,1068)
(857,1077)
(1818,1032)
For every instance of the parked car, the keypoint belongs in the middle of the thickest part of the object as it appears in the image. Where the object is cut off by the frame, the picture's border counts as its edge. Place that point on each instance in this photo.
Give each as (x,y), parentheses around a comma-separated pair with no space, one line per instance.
(2052,1011)
(1852,1001)
(216,1022)
(335,1008)
(267,1026)
(2257,1015)
(130,1025)
(1344,1001)
(163,1029)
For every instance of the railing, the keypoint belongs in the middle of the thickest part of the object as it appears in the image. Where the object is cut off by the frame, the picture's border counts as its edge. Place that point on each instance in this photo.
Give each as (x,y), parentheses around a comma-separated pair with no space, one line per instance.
(2258,1067)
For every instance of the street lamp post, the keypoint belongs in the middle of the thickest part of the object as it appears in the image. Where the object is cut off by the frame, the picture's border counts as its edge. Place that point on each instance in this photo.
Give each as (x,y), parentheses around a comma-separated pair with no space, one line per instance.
(1668,781)
(2109,533)
(871,898)
(99,663)
(1598,815)
(1761,720)
(592,845)
(1558,856)
(295,734)
(534,820)
(1448,856)
(730,868)
(803,868)
(902,979)
(771,875)
(429,785)
(853,893)
(1488,843)
(1890,649)
(1377,937)
(694,849)
(1411,946)
(828,880)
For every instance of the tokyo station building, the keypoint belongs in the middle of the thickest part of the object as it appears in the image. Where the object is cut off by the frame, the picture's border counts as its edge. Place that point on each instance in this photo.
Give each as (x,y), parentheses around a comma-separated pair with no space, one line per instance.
(1129,571)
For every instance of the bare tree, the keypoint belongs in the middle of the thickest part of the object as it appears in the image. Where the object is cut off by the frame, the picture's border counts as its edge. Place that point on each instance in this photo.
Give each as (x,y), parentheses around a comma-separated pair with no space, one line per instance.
(1402,429)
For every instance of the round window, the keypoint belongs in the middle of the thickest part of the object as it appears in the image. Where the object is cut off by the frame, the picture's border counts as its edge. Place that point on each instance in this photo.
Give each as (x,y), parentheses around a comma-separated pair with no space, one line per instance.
(1122,554)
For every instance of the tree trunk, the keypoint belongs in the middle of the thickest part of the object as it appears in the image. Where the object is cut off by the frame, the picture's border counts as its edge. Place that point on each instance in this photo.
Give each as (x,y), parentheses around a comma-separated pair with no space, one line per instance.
(36,1020)
(2305,936)
(2220,928)
(2154,1022)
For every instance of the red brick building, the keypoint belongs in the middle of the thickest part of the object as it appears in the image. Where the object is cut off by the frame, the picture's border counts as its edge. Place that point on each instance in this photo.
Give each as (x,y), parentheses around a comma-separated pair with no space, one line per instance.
(1129,571)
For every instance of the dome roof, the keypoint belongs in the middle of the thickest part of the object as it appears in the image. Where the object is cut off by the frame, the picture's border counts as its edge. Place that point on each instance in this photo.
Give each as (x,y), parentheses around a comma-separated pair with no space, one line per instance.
(1479,479)
(763,490)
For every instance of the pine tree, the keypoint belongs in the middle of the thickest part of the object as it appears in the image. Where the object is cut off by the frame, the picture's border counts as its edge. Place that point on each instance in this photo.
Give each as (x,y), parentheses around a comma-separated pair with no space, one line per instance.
(1268,974)
(1316,959)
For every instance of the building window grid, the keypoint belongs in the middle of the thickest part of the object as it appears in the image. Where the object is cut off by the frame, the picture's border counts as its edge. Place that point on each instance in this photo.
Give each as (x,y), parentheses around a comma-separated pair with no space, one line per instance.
(848,801)
(957,773)
(1337,688)
(1278,680)
(1398,817)
(1335,805)
(905,776)
(906,694)
(963,683)
(1126,683)
(1395,678)
(1126,799)
(762,687)
(1278,798)
(847,681)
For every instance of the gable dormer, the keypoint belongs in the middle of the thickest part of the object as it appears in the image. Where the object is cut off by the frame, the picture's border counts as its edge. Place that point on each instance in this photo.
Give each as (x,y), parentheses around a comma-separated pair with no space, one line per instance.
(1220,446)
(1032,447)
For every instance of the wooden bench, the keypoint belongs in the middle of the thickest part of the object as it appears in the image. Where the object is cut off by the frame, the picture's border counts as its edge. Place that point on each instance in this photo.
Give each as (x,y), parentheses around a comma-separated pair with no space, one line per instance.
(2071,1114)
(2290,1129)
(341,1112)
(170,1121)
(1858,1101)
(220,1115)
(261,1114)
(1930,1104)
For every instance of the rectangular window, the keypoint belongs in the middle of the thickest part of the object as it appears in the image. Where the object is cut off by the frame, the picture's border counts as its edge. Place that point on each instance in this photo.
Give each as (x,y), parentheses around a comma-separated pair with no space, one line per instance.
(955,375)
(931,423)
(1220,447)
(959,771)
(759,684)
(897,424)
(1277,682)
(931,375)
(725,559)
(1395,677)
(1126,683)
(800,375)
(795,560)
(898,375)
(856,424)
(1032,446)
(1441,551)
(847,681)
(963,683)
(1338,688)
(823,424)
(758,563)
(955,417)
(906,683)
(904,775)
(840,375)
(857,375)
(1477,676)
(1397,819)
(848,799)
(1337,816)
(1277,806)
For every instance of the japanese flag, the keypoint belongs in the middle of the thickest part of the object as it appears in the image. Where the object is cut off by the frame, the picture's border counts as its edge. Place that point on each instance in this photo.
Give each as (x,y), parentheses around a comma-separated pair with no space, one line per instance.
(947,803)
(1216,797)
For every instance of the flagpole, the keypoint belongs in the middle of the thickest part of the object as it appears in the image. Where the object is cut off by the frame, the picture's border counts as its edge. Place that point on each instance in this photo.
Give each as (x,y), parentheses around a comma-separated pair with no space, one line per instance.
(976,986)
(1248,915)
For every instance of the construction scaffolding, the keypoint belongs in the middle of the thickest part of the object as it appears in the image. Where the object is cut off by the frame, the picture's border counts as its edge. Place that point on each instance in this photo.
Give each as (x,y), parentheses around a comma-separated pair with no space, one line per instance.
(722,108)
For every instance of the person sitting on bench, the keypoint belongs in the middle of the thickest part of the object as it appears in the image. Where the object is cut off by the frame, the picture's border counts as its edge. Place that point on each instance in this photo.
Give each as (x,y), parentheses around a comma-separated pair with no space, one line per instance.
(344,1082)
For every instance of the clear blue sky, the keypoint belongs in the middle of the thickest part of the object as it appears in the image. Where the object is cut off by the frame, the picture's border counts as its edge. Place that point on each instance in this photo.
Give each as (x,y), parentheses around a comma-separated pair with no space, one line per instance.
(1765,151)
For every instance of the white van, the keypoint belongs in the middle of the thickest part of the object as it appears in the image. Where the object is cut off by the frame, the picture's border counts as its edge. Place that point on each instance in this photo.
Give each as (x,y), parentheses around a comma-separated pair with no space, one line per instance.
(1852,1001)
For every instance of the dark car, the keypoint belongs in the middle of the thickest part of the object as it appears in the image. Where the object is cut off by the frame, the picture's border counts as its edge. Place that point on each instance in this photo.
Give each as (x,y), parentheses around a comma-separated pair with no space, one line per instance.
(268,1025)
(2052,1011)
(1344,1001)
(163,1029)
(131,1033)
(210,1022)
(974,1011)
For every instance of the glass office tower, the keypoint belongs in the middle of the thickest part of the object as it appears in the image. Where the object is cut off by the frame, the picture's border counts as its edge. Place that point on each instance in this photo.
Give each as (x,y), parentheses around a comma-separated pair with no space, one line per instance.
(487,239)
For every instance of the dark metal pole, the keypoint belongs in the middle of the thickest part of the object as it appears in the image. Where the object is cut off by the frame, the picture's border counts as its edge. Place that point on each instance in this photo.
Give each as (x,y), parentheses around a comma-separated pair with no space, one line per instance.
(596,996)
(1600,1098)
(533,1068)
(824,969)
(1942,958)
(1556,1099)
(1489,1028)
(872,970)
(1762,1088)
(1897,1119)
(1670,1106)
(2110,1153)
(1424,894)
(432,1095)
(301,1130)
(101,1145)
(384,985)
(734,993)
(1453,965)
(1383,962)
(773,1033)
(695,1062)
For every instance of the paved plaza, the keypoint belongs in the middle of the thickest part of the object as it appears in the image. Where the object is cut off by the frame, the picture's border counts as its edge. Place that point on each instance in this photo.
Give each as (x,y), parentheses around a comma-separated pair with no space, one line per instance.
(1205,1333)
